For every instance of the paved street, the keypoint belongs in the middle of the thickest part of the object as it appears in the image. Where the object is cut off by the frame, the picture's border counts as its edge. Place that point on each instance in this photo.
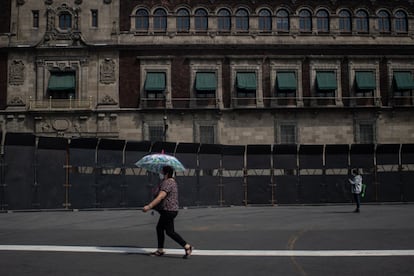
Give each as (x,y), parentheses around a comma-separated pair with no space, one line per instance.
(280,240)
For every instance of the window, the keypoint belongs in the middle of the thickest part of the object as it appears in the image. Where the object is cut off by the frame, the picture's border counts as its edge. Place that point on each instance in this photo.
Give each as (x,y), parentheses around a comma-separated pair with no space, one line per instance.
(207,134)
(366,133)
(155,84)
(183,20)
(65,21)
(201,20)
(365,83)
(246,84)
(305,21)
(156,133)
(224,21)
(35,15)
(361,22)
(265,21)
(384,22)
(94,17)
(345,22)
(160,20)
(206,85)
(141,20)
(282,21)
(403,82)
(286,83)
(288,134)
(322,21)
(326,83)
(400,22)
(62,85)
(242,20)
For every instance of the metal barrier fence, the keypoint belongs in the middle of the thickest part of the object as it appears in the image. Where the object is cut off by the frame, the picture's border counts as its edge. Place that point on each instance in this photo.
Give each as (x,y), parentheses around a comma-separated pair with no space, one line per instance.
(83,173)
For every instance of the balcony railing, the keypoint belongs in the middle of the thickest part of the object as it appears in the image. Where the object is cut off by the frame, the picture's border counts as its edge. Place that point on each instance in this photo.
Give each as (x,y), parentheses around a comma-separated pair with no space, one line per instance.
(60,104)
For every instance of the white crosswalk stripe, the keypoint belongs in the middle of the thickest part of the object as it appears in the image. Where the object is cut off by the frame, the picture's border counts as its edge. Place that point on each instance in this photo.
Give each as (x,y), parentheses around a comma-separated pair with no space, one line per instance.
(199,252)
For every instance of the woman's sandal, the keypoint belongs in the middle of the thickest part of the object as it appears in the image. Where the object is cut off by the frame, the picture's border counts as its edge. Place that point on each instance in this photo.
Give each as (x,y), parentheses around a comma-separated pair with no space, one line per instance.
(188,252)
(157,253)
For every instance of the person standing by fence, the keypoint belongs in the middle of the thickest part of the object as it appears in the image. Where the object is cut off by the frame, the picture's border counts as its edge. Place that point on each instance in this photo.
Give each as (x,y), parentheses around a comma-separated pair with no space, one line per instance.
(356,187)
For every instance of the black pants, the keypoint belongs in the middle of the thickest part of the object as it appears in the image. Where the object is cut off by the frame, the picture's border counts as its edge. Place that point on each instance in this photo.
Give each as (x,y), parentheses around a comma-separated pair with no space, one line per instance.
(166,223)
(357,200)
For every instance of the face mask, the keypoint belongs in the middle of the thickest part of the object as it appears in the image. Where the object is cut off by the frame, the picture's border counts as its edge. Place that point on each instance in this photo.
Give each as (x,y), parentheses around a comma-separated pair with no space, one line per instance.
(161,176)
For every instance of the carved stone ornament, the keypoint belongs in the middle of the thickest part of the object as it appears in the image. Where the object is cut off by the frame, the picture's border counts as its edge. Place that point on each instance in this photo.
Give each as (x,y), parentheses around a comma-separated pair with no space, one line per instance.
(60,124)
(16,101)
(54,34)
(107,71)
(107,100)
(16,72)
(107,1)
(78,2)
(48,2)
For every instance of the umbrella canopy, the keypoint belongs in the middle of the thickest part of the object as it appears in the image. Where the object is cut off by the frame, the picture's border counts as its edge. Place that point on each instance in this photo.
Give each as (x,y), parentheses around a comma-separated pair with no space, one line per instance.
(155,162)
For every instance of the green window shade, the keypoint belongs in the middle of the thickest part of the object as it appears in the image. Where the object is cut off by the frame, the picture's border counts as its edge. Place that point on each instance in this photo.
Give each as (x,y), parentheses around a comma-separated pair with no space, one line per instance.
(403,80)
(206,81)
(365,80)
(61,82)
(286,81)
(246,81)
(326,81)
(155,82)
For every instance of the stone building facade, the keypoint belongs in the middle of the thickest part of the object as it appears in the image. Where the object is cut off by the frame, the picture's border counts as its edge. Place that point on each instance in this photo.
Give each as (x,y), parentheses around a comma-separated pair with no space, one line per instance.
(228,72)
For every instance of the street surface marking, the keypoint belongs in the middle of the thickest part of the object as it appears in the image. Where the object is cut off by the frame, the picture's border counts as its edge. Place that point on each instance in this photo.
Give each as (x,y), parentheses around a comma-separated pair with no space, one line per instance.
(238,253)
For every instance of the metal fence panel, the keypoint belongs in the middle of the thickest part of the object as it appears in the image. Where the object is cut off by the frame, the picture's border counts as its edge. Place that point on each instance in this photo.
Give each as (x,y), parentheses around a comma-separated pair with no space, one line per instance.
(187,154)
(20,189)
(233,191)
(209,156)
(51,172)
(258,156)
(311,156)
(336,156)
(338,189)
(362,155)
(286,189)
(311,189)
(82,193)
(389,186)
(188,191)
(233,157)
(138,190)
(388,154)
(407,179)
(285,156)
(259,190)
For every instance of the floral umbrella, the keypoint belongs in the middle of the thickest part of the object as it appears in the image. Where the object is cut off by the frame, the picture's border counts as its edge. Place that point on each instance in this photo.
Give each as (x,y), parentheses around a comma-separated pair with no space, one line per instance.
(155,162)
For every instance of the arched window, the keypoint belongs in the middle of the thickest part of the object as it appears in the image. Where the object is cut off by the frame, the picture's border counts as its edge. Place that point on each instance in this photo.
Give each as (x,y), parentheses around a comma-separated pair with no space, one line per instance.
(141,20)
(282,21)
(201,20)
(400,22)
(224,20)
(265,20)
(384,22)
(183,20)
(65,21)
(361,22)
(305,21)
(345,21)
(242,20)
(160,20)
(322,21)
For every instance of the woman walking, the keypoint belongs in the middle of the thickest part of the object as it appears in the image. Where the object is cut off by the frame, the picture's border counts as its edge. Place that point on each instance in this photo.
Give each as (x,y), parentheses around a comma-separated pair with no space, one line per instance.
(166,203)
